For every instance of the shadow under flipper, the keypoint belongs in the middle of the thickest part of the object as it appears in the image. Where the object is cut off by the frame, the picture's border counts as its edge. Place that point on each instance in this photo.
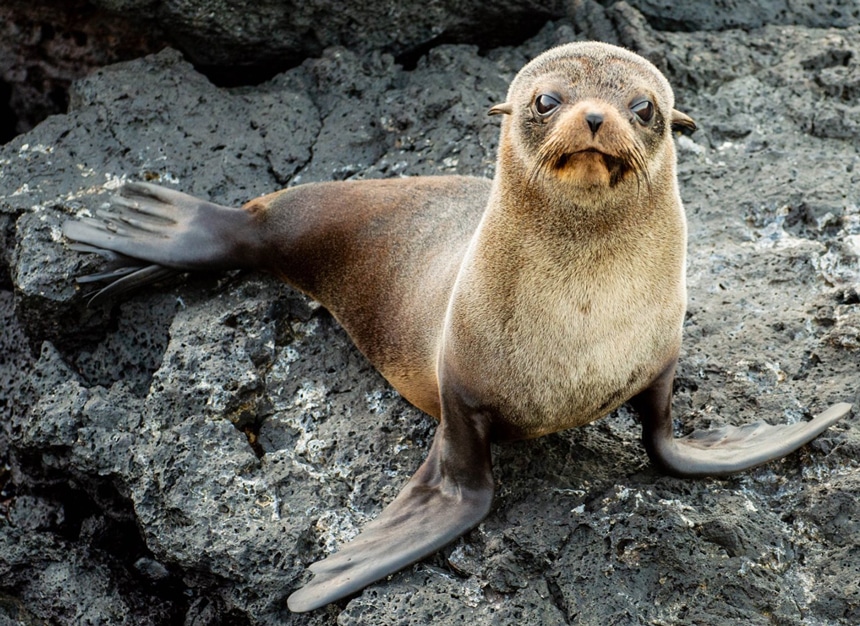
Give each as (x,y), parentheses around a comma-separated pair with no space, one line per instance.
(720,451)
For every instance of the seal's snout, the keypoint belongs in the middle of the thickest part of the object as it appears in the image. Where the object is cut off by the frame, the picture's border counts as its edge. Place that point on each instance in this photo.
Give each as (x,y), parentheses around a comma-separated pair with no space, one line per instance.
(594,121)
(592,126)
(589,144)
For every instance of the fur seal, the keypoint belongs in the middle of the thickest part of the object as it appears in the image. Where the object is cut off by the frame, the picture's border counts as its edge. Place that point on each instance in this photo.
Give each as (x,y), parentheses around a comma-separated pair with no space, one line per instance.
(511,308)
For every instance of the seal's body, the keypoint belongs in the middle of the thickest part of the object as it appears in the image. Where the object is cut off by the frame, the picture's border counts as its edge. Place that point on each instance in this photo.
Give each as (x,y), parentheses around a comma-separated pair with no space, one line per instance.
(507,309)
(385,257)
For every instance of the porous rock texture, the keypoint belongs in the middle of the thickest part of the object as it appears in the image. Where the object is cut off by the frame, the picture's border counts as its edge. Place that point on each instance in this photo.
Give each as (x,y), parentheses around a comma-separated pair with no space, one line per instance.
(45,44)
(182,456)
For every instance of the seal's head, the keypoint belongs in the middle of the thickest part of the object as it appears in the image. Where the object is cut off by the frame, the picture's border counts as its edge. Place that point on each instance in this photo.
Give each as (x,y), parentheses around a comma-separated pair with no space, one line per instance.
(589,116)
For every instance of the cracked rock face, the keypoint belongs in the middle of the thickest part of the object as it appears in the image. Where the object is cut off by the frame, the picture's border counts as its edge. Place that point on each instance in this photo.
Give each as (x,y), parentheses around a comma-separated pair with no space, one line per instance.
(183,456)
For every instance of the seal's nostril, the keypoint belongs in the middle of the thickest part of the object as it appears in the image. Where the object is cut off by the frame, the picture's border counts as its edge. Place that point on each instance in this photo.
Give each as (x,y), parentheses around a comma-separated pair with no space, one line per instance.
(594,121)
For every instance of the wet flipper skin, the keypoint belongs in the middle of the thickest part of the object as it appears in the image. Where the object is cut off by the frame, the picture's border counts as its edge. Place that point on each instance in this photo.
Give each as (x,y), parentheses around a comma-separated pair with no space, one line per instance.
(449,494)
(719,451)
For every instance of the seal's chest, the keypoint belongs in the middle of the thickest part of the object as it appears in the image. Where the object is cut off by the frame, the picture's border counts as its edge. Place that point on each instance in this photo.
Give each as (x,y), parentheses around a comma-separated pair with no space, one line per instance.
(578,359)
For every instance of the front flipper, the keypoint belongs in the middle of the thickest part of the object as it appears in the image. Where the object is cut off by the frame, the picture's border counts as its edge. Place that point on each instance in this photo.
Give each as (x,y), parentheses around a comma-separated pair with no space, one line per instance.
(720,451)
(449,494)
(149,232)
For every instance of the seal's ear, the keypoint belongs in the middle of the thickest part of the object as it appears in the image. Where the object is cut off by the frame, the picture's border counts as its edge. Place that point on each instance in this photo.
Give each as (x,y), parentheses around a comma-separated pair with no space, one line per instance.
(683,123)
(500,109)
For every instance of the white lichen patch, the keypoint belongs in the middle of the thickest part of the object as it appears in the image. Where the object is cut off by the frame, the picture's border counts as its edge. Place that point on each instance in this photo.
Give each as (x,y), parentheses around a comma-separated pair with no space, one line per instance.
(686,144)
(113,182)
(25,188)
(680,508)
(335,529)
(310,397)
(280,370)
(774,237)
(26,149)
(845,333)
(309,328)
(835,267)
(85,171)
(56,233)
(764,374)
(472,593)
(219,400)
(852,242)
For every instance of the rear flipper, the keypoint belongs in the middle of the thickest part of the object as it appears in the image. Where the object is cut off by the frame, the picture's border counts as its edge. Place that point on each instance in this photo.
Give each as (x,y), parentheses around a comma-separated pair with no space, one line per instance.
(149,233)
(449,494)
(720,451)
(123,273)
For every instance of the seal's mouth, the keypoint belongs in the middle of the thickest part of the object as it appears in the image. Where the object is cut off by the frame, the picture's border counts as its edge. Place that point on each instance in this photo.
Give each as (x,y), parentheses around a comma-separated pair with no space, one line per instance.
(583,162)
(565,157)
(615,166)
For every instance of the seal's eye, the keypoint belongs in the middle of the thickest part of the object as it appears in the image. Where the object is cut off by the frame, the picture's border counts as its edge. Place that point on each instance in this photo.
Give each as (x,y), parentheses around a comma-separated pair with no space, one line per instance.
(546,104)
(644,110)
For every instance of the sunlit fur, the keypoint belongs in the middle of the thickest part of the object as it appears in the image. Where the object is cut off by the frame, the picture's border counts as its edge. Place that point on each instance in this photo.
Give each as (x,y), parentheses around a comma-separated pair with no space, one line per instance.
(572,291)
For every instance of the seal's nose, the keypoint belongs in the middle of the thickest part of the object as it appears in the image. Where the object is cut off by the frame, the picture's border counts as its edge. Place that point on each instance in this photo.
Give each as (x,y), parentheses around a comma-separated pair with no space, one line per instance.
(594,121)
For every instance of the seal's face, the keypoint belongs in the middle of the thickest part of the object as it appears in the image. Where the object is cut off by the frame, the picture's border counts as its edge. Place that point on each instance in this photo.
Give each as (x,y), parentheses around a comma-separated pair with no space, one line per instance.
(590,115)
(587,140)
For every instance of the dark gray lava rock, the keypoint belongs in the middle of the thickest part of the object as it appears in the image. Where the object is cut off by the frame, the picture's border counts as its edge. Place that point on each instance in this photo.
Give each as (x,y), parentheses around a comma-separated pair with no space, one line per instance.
(185,455)
(727,14)
(214,32)
(46,44)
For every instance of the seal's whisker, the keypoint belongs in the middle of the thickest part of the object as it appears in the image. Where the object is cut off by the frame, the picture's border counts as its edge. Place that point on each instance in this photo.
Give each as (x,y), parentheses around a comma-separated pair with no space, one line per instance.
(638,164)
(544,160)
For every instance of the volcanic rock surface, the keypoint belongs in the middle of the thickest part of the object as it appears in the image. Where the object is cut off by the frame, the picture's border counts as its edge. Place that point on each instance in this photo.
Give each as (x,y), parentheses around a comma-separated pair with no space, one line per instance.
(182,456)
